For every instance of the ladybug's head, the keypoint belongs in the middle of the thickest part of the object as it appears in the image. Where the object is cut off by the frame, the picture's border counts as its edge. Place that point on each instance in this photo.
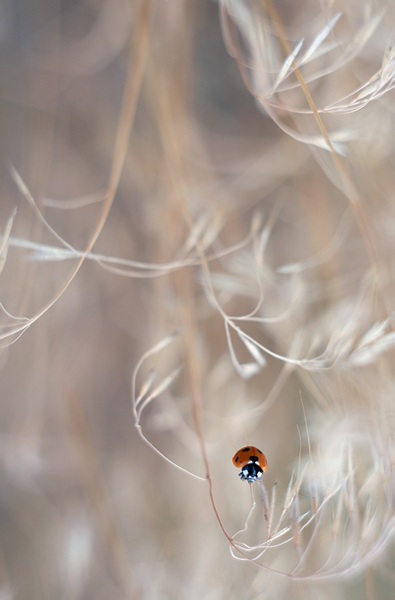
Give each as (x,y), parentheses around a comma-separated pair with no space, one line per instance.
(251,471)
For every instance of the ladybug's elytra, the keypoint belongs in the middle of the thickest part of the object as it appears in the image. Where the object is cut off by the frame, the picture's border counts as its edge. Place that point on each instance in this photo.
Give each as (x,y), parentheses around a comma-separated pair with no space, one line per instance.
(252,462)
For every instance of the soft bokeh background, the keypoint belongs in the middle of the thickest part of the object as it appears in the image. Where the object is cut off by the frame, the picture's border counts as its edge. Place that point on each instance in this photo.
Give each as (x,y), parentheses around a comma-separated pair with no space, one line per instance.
(164,169)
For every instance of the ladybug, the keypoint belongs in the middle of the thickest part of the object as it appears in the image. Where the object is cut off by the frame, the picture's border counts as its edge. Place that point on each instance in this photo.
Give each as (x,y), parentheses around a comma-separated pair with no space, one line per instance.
(252,462)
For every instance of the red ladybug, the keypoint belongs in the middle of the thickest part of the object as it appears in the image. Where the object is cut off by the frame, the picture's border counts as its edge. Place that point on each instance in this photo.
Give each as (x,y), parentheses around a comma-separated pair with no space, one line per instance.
(252,462)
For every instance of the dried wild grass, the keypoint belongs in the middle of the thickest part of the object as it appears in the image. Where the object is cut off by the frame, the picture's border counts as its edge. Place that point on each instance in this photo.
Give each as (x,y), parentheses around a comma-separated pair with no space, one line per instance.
(198,219)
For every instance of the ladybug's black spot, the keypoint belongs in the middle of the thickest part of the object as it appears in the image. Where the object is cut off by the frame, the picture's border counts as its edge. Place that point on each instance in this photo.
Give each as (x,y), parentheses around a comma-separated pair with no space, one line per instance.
(260,451)
(247,449)
(253,458)
(237,459)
